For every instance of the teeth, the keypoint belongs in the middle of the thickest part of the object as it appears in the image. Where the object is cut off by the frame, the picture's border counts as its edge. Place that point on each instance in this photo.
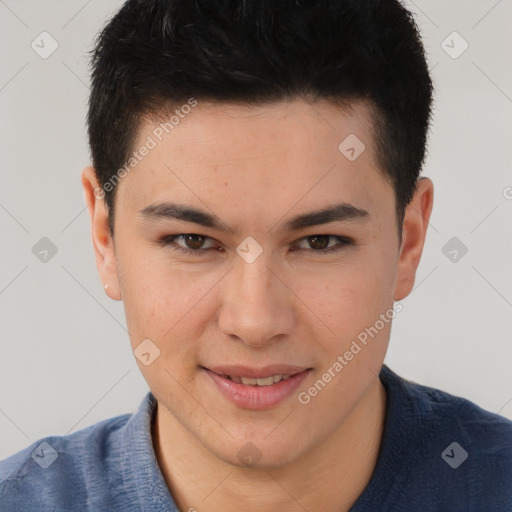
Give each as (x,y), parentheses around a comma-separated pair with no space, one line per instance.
(267,381)
(251,381)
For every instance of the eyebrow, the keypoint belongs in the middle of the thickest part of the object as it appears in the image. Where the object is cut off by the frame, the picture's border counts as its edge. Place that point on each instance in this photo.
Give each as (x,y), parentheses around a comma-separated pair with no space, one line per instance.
(336,213)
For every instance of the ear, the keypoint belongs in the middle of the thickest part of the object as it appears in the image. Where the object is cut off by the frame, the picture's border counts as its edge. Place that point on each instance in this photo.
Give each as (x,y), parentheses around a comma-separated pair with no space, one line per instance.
(101,238)
(414,231)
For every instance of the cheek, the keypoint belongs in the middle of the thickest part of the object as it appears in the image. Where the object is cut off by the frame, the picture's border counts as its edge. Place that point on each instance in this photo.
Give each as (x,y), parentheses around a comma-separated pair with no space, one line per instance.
(161,301)
(350,297)
(167,308)
(349,300)
(351,303)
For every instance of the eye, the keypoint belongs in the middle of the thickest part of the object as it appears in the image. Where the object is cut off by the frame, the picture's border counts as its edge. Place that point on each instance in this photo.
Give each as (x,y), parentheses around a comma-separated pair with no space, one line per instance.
(194,244)
(320,243)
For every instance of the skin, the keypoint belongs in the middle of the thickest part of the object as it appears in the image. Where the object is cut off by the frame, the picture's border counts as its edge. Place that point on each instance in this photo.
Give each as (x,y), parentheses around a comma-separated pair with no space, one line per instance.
(256,167)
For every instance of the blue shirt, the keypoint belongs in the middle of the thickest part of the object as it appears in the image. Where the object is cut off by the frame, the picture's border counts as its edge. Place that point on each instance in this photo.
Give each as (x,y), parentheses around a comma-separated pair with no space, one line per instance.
(439,452)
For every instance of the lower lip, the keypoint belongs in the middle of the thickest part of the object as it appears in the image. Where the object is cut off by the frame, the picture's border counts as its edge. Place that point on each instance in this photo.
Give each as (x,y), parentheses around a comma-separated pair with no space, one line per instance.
(257,397)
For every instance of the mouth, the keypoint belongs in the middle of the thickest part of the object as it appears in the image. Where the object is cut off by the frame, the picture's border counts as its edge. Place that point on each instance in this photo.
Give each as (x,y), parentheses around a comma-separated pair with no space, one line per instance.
(257,389)
(250,376)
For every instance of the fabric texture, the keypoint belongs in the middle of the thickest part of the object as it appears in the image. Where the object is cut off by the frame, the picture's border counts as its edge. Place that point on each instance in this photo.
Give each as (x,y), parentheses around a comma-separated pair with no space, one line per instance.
(439,452)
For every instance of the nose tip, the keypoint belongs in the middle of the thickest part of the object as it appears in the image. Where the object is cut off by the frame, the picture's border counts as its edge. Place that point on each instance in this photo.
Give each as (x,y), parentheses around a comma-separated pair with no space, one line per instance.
(256,306)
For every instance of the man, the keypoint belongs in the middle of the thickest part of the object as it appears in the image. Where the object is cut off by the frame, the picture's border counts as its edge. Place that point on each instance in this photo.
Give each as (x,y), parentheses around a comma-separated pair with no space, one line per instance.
(256,204)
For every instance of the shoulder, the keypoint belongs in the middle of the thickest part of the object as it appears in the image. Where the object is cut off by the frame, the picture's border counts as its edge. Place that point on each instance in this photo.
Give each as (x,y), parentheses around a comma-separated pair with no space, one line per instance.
(59,471)
(442,412)
(452,448)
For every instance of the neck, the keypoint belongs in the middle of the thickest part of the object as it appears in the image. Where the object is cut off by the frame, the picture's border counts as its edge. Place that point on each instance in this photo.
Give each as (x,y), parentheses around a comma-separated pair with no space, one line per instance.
(337,471)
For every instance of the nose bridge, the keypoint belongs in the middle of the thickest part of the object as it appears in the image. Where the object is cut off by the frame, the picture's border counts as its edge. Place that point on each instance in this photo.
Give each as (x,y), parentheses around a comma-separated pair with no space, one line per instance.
(254,282)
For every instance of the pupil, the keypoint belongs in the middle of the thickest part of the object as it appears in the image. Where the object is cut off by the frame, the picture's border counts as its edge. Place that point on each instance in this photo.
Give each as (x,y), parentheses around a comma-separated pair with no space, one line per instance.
(197,241)
(324,242)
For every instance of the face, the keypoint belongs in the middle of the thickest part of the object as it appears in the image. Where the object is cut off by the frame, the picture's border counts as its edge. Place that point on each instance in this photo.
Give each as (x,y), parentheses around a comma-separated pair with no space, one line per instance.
(254,281)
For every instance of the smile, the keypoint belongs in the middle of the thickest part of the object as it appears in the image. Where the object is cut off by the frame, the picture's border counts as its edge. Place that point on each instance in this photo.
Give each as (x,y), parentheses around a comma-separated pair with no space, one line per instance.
(251,381)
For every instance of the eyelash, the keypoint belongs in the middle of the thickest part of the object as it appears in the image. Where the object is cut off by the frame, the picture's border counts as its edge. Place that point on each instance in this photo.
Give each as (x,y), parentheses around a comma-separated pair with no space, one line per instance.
(168,241)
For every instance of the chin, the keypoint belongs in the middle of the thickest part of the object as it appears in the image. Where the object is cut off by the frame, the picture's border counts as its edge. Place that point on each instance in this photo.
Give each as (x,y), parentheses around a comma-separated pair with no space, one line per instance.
(260,453)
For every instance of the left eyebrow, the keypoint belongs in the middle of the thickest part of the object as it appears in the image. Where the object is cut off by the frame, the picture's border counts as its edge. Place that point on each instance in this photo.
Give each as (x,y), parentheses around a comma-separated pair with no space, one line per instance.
(166,210)
(338,212)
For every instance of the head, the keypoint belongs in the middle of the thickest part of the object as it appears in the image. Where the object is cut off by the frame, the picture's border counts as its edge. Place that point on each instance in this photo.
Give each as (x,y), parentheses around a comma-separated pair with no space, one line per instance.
(301,125)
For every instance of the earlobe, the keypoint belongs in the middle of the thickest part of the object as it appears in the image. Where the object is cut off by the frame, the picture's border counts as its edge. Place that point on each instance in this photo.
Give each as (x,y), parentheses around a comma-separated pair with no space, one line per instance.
(102,241)
(414,232)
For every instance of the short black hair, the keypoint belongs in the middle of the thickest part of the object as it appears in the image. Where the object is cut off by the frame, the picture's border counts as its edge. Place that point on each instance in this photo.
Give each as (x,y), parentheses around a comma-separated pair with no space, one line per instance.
(155,55)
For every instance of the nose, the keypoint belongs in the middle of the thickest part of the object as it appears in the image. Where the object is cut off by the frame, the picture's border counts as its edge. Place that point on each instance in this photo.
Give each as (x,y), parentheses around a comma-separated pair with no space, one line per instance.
(257,306)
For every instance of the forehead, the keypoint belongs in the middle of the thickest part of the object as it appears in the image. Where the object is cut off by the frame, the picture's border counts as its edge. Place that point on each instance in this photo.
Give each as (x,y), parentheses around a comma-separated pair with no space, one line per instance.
(272,155)
(243,129)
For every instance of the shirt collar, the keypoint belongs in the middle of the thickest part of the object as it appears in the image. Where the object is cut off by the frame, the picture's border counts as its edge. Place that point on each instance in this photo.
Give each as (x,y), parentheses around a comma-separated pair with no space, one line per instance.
(141,463)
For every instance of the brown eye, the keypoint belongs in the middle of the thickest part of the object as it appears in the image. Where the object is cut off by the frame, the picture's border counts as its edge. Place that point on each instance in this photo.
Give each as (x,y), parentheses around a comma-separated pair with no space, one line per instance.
(189,243)
(321,243)
(194,242)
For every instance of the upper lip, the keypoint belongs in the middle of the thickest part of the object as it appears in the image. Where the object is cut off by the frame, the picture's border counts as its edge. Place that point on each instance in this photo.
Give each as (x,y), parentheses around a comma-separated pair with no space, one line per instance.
(257,373)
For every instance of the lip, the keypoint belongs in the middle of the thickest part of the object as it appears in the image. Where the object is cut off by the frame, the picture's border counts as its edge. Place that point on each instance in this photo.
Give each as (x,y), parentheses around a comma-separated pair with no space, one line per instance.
(257,398)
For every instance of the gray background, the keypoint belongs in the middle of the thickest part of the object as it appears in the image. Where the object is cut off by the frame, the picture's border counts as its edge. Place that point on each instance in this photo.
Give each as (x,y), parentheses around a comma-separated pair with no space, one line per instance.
(65,359)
